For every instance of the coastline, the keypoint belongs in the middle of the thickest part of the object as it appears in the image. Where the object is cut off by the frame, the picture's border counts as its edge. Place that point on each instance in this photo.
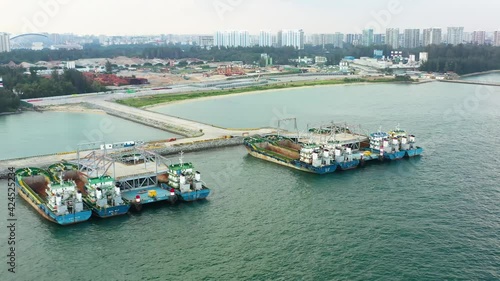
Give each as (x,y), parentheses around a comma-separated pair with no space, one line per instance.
(256,92)
(479,73)
(10,113)
(83,108)
(184,97)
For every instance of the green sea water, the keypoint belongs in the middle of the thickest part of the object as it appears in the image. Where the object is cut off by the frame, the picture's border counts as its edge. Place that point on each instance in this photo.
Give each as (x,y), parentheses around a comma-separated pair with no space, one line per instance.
(436,217)
(34,133)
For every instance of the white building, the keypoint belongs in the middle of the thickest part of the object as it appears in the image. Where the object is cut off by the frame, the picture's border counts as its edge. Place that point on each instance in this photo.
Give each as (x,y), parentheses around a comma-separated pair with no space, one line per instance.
(232,39)
(423,56)
(338,40)
(411,38)
(4,42)
(479,37)
(265,39)
(205,41)
(367,37)
(320,60)
(392,37)
(372,63)
(496,38)
(432,36)
(291,38)
(70,65)
(455,35)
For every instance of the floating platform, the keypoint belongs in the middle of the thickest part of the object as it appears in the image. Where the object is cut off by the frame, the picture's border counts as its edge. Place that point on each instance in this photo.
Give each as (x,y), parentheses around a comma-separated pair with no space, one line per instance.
(148,195)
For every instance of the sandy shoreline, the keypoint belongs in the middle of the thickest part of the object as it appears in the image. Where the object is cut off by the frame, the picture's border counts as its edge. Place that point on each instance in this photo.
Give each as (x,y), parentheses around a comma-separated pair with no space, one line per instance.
(82,108)
(155,106)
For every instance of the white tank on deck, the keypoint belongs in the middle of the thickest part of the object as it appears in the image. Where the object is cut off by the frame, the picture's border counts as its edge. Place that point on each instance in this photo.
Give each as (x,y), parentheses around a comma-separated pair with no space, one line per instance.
(315,156)
(386,143)
(58,200)
(337,153)
(182,179)
(326,153)
(412,138)
(197,176)
(348,150)
(78,197)
(404,141)
(395,141)
(117,190)
(98,194)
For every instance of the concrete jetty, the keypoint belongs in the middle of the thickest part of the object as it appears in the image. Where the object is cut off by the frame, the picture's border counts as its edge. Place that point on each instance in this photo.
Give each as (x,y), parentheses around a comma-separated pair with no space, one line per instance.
(161,148)
(199,135)
(483,83)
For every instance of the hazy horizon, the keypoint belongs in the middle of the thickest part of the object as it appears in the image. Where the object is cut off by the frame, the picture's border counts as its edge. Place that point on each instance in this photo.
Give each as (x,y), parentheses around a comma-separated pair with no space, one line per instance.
(154,17)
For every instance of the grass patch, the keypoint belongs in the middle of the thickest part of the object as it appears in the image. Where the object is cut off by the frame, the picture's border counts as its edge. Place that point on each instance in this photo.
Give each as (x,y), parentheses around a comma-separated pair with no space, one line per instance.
(167,98)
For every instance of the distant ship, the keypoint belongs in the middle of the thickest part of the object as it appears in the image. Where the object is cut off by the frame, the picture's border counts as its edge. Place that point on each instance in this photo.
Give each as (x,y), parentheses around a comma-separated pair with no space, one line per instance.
(408,142)
(394,145)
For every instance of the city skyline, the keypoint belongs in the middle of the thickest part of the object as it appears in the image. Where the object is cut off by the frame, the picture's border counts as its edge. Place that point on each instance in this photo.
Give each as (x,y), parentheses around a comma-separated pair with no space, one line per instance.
(207,17)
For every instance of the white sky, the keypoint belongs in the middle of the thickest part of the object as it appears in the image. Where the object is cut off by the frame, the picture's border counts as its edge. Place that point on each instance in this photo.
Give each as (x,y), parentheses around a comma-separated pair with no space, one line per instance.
(126,17)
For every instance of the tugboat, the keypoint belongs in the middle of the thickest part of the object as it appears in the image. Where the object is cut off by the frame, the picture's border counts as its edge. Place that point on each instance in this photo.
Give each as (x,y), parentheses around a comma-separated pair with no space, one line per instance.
(186,183)
(59,202)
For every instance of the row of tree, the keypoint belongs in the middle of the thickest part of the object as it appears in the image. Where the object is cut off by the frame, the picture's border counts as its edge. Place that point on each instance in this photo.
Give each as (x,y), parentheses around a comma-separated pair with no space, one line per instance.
(34,86)
(461,59)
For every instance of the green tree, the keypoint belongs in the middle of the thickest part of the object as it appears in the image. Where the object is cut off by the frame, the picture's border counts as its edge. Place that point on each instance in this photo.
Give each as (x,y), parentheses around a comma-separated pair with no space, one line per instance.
(9,101)
(109,67)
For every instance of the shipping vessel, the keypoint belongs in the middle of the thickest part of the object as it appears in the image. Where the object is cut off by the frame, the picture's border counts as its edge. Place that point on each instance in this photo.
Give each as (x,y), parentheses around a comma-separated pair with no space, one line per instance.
(330,148)
(99,193)
(185,182)
(394,145)
(286,152)
(104,197)
(59,202)
(389,147)
(408,142)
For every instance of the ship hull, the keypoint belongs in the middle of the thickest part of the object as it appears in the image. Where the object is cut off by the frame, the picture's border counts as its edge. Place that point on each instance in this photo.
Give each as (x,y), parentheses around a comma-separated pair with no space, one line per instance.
(395,156)
(414,152)
(296,164)
(344,166)
(193,195)
(110,211)
(46,213)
